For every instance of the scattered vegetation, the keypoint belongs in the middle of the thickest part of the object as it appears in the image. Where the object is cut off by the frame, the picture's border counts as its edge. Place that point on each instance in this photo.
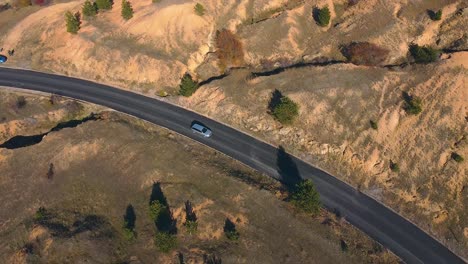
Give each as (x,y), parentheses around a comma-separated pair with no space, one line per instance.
(21,102)
(89,9)
(127,10)
(365,53)
(40,214)
(187,86)
(157,1)
(73,22)
(412,105)
(104,4)
(394,166)
(199,9)
(283,108)
(230,230)
(306,198)
(50,172)
(321,16)
(424,54)
(435,16)
(228,49)
(457,157)
(373,124)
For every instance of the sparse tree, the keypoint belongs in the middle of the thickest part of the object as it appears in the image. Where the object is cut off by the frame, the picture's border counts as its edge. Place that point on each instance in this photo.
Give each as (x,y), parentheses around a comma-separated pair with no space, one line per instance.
(373,124)
(412,105)
(20,102)
(73,22)
(230,230)
(127,10)
(394,166)
(165,241)
(104,4)
(286,110)
(156,208)
(435,16)
(199,9)
(89,9)
(187,86)
(306,198)
(424,54)
(457,157)
(322,16)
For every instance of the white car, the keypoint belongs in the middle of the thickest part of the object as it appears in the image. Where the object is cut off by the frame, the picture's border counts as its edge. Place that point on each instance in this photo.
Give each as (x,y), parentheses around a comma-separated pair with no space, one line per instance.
(201,129)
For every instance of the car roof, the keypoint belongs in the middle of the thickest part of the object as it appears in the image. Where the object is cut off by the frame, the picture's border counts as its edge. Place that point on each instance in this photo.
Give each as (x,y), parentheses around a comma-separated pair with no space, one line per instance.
(198,126)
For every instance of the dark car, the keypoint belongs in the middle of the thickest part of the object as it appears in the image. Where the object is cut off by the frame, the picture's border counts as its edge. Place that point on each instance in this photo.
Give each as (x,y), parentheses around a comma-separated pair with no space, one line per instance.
(3,59)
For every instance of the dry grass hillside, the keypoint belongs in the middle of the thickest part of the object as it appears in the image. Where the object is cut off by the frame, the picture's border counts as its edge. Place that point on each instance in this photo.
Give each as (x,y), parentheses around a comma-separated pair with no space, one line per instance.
(95,177)
(406,162)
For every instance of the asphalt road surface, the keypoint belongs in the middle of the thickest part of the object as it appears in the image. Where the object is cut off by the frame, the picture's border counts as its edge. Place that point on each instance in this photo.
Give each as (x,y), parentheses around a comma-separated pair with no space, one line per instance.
(406,240)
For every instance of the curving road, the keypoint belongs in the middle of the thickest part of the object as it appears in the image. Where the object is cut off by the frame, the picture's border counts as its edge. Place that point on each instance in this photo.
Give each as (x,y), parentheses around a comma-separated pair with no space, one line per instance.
(406,240)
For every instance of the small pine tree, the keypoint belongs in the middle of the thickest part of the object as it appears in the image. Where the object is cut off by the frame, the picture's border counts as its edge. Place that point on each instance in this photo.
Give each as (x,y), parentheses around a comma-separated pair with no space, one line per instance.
(435,16)
(457,157)
(199,9)
(89,9)
(127,10)
(165,241)
(187,86)
(286,110)
(306,198)
(73,22)
(104,4)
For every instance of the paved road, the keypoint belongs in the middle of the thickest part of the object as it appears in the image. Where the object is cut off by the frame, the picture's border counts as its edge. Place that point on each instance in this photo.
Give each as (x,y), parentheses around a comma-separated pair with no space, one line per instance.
(403,238)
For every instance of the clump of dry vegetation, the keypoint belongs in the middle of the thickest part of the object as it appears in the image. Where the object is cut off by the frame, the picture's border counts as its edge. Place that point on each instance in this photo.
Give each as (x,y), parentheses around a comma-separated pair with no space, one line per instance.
(228,49)
(365,53)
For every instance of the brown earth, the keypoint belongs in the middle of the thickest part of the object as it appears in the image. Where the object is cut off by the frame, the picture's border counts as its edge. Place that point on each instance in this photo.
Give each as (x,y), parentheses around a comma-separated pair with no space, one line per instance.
(96,176)
(152,51)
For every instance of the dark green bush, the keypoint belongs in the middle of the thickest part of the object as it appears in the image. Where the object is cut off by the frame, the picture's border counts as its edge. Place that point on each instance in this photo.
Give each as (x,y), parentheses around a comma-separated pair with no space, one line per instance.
(165,241)
(187,86)
(424,54)
(394,167)
(230,230)
(306,198)
(191,226)
(435,15)
(89,9)
(104,4)
(412,105)
(457,157)
(199,9)
(373,124)
(73,22)
(286,110)
(321,16)
(156,208)
(40,214)
(127,10)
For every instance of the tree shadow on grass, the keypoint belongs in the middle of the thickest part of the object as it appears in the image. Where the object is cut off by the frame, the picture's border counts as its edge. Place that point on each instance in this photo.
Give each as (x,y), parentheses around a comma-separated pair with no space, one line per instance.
(189,213)
(287,169)
(130,217)
(275,99)
(165,222)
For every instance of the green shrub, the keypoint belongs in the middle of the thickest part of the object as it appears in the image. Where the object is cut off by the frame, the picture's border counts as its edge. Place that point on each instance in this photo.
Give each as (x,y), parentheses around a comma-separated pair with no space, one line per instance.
(40,214)
(104,4)
(394,167)
(230,230)
(322,16)
(424,54)
(89,9)
(286,110)
(435,16)
(21,102)
(73,22)
(457,157)
(187,86)
(127,10)
(373,124)
(199,9)
(412,105)
(128,233)
(365,53)
(191,226)
(165,241)
(155,209)
(306,198)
